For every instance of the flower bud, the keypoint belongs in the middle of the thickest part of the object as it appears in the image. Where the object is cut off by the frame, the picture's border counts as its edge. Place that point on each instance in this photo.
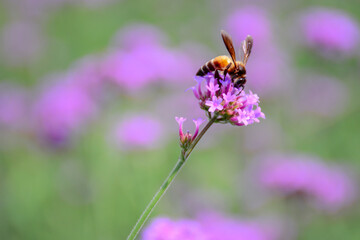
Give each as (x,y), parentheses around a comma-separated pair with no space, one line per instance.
(187,138)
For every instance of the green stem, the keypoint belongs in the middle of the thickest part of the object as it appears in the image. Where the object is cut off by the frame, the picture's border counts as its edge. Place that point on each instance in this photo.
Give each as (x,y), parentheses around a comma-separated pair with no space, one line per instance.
(182,159)
(197,139)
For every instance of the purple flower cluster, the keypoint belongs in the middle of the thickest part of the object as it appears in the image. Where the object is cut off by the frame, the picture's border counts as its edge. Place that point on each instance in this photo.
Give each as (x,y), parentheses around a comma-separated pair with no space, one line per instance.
(61,109)
(249,20)
(143,60)
(167,229)
(330,30)
(219,227)
(207,227)
(326,187)
(219,97)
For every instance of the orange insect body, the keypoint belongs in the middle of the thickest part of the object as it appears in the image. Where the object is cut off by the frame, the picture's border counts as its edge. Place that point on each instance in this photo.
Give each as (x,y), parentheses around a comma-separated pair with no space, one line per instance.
(227,65)
(220,63)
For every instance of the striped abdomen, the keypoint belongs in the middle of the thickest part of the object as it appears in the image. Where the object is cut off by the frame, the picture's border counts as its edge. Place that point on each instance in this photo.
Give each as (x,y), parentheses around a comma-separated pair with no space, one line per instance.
(218,63)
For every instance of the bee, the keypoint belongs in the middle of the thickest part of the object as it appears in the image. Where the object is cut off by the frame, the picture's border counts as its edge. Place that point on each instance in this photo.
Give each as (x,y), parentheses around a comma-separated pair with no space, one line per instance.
(235,69)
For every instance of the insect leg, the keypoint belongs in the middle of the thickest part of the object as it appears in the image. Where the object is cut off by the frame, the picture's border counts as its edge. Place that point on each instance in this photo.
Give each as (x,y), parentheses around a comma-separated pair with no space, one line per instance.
(242,88)
(226,69)
(217,77)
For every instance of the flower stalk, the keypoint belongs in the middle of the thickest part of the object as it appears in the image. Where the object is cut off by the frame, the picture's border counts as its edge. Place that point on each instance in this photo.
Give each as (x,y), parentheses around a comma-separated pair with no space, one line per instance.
(223,103)
(184,155)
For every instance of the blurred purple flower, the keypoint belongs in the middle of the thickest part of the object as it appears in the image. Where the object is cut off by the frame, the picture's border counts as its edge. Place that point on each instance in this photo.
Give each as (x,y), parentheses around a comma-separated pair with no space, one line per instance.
(146,61)
(139,131)
(61,109)
(329,188)
(321,95)
(209,226)
(250,20)
(119,67)
(330,30)
(21,43)
(86,74)
(230,103)
(13,105)
(220,228)
(167,229)
(65,105)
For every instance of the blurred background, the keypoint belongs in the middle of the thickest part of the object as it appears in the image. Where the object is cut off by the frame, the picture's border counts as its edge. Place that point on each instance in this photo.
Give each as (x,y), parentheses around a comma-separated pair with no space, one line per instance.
(88,94)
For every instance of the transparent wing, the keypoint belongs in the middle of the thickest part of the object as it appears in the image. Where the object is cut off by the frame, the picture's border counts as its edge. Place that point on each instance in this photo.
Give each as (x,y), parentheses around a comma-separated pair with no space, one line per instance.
(246,46)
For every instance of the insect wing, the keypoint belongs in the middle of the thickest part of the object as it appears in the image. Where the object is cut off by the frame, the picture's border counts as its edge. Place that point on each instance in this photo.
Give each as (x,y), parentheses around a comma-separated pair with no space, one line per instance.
(229,45)
(247,45)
